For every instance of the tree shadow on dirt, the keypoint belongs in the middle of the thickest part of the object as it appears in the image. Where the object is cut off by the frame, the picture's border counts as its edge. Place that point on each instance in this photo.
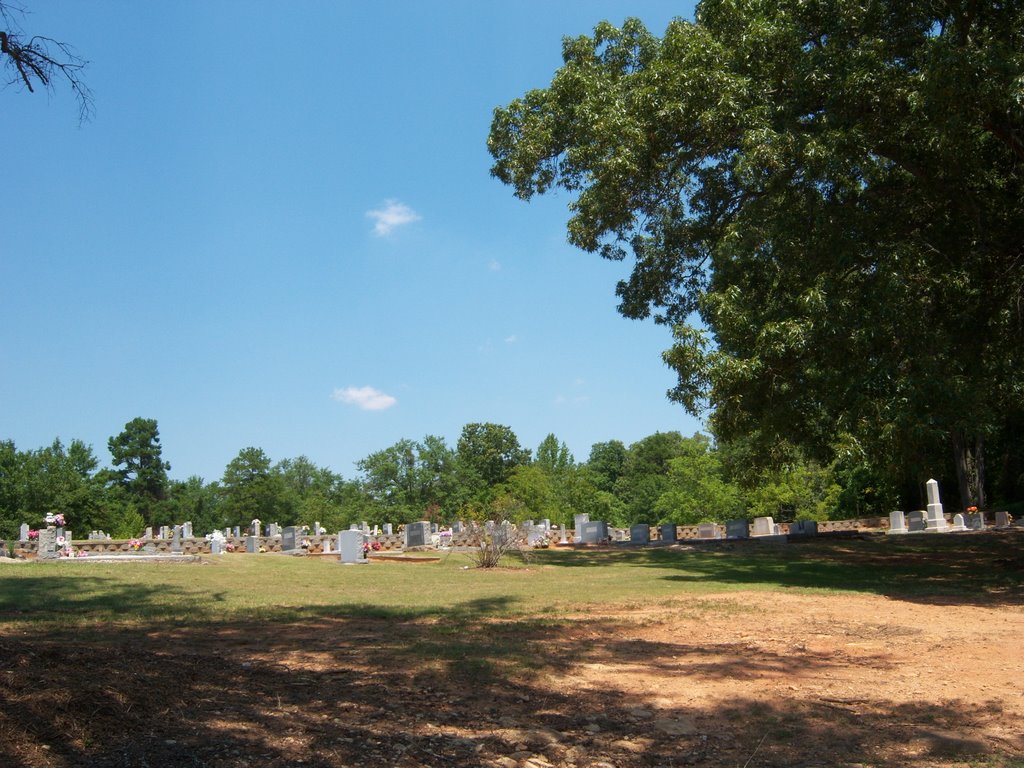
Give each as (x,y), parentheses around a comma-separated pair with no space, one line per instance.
(974,569)
(462,686)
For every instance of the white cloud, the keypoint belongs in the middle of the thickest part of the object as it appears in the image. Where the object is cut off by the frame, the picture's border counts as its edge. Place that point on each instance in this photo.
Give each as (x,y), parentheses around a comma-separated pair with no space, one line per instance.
(511,339)
(364,398)
(393,214)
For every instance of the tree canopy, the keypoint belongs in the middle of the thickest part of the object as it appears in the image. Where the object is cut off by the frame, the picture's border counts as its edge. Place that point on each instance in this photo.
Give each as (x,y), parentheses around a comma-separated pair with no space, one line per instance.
(824,199)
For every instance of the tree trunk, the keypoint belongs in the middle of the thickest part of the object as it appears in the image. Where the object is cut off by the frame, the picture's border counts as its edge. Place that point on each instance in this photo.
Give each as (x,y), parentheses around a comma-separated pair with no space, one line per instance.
(979,469)
(961,462)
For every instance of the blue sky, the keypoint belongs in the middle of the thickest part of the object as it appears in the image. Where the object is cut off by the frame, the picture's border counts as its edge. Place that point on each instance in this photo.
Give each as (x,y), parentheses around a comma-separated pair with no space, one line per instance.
(279,230)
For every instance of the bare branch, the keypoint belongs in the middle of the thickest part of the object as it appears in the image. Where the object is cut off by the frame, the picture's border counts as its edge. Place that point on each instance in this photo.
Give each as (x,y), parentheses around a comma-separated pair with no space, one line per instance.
(39,59)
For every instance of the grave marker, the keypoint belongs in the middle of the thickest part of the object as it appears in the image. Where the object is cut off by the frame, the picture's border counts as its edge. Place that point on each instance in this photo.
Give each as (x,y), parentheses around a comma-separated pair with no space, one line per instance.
(737,529)
(897,522)
(290,539)
(668,533)
(350,547)
(936,521)
(640,534)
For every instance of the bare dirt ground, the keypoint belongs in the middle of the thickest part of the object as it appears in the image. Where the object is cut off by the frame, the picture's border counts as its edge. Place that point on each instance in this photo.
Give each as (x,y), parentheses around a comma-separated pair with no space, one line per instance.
(739,679)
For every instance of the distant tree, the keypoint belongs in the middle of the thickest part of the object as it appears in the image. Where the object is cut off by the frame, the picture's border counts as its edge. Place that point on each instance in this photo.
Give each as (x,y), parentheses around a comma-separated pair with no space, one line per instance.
(606,463)
(195,501)
(252,491)
(489,452)
(645,471)
(34,60)
(139,467)
(696,489)
(554,456)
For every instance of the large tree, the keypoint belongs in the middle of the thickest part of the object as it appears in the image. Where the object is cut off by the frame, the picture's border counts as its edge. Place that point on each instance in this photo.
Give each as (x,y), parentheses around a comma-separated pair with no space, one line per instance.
(834,188)
(139,468)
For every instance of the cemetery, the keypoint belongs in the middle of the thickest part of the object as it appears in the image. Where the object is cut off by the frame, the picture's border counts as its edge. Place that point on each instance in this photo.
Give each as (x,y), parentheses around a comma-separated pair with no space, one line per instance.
(721,644)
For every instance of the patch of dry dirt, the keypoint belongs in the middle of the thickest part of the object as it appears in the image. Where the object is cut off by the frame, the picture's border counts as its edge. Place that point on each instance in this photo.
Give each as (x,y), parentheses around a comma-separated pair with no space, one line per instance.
(738,679)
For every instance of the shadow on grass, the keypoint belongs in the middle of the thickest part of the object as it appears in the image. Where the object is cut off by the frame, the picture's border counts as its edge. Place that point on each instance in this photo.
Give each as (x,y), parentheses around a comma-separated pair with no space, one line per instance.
(970,569)
(454,686)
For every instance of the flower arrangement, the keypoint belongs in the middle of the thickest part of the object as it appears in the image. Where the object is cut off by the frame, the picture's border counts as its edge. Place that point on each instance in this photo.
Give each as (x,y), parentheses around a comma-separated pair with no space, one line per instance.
(33,535)
(135,544)
(54,518)
(971,510)
(82,553)
(370,546)
(229,547)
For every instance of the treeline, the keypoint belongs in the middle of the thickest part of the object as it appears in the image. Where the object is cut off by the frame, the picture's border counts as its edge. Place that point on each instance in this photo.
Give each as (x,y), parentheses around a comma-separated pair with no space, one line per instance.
(664,477)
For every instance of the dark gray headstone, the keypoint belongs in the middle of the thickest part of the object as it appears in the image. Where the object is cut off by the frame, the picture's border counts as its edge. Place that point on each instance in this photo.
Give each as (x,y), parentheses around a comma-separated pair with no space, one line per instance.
(917,521)
(803,528)
(289,538)
(252,545)
(668,532)
(640,534)
(594,531)
(176,540)
(417,534)
(737,529)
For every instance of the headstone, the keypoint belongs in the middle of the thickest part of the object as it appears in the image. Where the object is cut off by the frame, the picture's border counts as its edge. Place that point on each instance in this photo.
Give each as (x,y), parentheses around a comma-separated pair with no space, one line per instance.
(252,545)
(594,532)
(165,532)
(577,533)
(327,546)
(148,534)
(803,528)
(238,531)
(707,531)
(433,528)
(176,541)
(958,523)
(545,524)
(350,547)
(47,548)
(387,529)
(764,526)
(916,521)
(355,527)
(290,539)
(737,529)
(216,545)
(365,528)
(640,534)
(897,522)
(976,521)
(23,533)
(255,528)
(565,536)
(417,534)
(1003,519)
(317,530)
(457,527)
(936,521)
(535,534)
(273,529)
(186,530)
(668,533)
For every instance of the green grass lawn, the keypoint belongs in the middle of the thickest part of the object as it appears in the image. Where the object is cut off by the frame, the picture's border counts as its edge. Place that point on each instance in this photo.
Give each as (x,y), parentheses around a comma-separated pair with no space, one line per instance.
(969,568)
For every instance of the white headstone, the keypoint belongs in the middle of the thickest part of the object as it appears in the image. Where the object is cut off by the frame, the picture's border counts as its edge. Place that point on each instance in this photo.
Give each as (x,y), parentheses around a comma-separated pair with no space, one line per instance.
(577,533)
(897,523)
(764,526)
(23,534)
(958,523)
(350,547)
(935,521)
